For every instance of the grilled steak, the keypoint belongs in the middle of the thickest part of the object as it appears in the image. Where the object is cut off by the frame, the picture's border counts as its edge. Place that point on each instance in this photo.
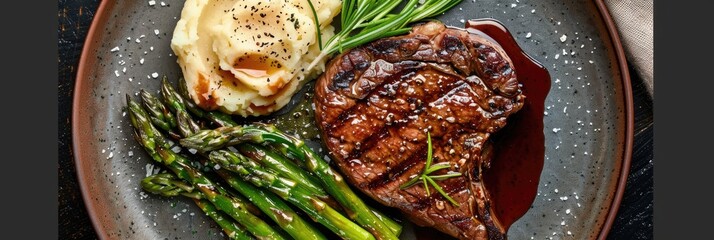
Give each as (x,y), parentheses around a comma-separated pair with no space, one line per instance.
(376,103)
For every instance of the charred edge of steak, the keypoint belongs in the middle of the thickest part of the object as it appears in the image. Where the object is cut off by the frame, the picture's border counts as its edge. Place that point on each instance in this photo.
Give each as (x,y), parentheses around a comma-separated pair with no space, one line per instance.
(494,233)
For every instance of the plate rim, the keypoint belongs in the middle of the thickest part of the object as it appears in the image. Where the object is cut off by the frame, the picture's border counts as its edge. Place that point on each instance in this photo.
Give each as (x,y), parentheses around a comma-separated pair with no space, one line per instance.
(78,82)
(629,119)
(604,16)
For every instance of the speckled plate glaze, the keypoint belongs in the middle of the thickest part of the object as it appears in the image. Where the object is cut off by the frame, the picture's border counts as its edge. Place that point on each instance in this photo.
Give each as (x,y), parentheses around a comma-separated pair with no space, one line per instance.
(588,118)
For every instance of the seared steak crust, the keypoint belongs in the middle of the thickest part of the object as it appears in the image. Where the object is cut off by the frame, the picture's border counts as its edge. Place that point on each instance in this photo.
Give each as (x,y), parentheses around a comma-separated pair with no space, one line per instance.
(376,103)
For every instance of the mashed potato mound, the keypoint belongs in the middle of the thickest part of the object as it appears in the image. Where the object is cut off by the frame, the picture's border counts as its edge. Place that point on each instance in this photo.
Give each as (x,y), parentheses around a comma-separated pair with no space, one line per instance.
(248,57)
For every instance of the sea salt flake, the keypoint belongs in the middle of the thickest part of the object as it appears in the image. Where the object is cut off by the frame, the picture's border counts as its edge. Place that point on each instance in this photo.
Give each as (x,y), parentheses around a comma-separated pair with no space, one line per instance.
(149,169)
(152,3)
(563,38)
(114,49)
(176,149)
(528,35)
(156,31)
(155,75)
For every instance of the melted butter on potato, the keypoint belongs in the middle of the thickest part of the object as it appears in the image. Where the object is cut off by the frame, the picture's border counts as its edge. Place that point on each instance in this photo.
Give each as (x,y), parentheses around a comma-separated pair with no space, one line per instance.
(248,57)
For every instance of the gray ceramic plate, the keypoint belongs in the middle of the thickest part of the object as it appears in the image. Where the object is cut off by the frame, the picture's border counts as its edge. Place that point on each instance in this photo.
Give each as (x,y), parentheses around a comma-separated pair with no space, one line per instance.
(588,117)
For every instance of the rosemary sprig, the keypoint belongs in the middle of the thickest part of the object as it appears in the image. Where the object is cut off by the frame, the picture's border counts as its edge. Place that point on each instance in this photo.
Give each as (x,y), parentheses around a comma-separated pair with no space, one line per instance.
(317,24)
(428,169)
(364,21)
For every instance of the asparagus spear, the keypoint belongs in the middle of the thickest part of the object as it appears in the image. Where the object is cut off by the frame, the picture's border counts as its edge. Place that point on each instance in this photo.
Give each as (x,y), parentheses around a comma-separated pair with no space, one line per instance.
(157,147)
(274,207)
(231,228)
(160,115)
(167,184)
(176,103)
(332,181)
(283,167)
(292,192)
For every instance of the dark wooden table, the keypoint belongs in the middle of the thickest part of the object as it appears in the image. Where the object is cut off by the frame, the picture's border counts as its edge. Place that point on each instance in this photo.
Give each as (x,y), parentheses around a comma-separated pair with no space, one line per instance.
(634,220)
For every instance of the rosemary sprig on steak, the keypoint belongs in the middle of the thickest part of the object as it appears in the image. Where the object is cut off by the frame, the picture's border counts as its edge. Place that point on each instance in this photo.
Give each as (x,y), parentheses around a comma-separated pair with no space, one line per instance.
(428,169)
(364,21)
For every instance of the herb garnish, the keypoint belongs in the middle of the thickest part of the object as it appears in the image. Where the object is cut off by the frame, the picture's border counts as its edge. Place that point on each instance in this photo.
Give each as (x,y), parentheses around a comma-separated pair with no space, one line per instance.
(364,21)
(428,169)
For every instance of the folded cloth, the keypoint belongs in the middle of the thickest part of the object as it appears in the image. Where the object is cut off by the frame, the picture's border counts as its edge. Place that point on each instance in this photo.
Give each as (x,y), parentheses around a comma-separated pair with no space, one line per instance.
(634,22)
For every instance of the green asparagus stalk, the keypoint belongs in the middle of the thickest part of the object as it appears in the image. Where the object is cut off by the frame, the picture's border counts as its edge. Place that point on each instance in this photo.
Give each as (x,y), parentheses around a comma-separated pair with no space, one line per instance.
(274,207)
(176,103)
(332,181)
(159,114)
(167,184)
(393,226)
(157,147)
(231,228)
(292,192)
(283,167)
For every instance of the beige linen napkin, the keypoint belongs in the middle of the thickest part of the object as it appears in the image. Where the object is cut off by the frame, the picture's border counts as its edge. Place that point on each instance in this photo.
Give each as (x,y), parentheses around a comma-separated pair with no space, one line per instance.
(634,22)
